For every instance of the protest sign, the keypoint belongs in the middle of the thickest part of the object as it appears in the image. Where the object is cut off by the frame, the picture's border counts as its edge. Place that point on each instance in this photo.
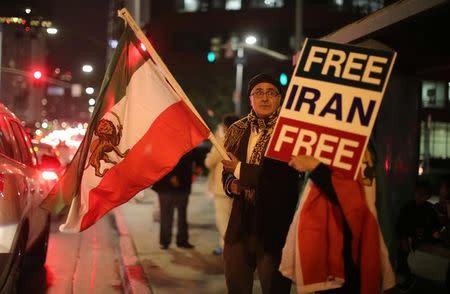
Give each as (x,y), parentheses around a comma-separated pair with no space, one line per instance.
(331,104)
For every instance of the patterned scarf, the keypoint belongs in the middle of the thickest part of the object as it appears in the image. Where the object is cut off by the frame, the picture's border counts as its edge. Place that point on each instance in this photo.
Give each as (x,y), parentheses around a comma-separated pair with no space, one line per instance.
(265,127)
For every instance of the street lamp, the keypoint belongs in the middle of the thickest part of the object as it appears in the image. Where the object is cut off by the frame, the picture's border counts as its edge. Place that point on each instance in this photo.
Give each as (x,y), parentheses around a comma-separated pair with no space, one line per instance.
(113,43)
(250,43)
(87,68)
(251,40)
(52,31)
(239,76)
(89,90)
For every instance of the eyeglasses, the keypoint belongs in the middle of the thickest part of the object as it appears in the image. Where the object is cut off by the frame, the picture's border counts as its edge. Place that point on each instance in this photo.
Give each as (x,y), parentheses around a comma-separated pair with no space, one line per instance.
(259,93)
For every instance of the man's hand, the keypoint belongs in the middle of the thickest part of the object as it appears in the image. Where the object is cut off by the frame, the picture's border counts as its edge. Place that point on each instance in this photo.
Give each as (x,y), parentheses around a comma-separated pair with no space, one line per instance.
(304,163)
(230,165)
(235,188)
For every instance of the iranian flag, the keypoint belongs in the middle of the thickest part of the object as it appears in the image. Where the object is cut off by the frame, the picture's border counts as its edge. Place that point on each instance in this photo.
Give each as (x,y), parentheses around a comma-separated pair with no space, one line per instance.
(139,130)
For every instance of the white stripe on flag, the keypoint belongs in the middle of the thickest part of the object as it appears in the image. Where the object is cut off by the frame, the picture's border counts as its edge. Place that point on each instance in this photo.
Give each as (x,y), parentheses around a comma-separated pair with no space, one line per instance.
(147,96)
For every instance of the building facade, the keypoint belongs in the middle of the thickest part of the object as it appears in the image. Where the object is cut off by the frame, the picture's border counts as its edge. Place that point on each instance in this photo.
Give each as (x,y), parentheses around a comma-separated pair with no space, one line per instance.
(29,85)
(411,135)
(23,51)
(184,32)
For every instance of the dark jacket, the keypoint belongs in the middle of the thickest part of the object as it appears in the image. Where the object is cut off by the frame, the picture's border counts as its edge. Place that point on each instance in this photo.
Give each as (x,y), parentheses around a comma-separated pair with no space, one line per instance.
(183,172)
(418,221)
(276,202)
(277,191)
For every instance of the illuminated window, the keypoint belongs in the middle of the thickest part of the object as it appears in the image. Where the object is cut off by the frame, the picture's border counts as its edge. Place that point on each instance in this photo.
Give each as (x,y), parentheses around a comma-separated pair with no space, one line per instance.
(433,94)
(188,5)
(435,140)
(205,5)
(367,6)
(55,91)
(266,3)
(233,5)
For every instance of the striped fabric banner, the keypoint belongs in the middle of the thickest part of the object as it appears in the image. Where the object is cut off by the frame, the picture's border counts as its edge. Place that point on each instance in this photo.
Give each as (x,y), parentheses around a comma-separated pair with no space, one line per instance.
(138,132)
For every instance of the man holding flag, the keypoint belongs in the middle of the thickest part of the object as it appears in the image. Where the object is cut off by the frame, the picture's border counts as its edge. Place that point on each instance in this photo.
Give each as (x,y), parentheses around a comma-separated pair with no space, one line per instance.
(264,192)
(142,125)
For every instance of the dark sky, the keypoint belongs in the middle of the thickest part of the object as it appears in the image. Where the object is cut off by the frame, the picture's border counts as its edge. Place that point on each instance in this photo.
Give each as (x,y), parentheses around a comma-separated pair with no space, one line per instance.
(82,26)
(82,37)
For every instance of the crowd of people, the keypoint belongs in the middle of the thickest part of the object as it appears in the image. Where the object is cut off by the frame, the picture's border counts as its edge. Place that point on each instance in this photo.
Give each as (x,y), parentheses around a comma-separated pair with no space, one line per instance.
(256,198)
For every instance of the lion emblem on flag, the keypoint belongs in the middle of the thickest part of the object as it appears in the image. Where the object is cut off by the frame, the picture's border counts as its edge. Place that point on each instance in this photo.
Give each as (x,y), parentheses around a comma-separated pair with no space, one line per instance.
(108,139)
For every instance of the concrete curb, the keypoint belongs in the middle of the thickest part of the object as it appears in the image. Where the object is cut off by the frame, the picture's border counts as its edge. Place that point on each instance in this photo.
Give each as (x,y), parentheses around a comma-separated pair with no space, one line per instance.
(131,270)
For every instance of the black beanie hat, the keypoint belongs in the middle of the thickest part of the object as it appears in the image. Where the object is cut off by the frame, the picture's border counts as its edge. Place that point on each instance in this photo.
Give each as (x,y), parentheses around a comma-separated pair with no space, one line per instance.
(262,78)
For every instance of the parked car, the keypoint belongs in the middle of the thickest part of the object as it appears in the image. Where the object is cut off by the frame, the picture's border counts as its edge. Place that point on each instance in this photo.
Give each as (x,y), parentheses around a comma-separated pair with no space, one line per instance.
(24,226)
(49,161)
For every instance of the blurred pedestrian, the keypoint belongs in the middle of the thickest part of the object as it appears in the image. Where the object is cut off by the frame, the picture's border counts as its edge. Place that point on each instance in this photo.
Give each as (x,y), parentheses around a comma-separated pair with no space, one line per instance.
(418,223)
(264,193)
(442,207)
(173,193)
(222,202)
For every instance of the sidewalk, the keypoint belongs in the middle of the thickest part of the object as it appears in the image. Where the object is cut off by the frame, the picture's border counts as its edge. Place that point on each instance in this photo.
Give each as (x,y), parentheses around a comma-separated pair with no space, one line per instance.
(178,270)
(148,269)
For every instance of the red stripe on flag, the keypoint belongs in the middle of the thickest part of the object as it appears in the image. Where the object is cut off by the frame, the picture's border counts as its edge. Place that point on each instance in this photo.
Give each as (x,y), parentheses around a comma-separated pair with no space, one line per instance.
(174,132)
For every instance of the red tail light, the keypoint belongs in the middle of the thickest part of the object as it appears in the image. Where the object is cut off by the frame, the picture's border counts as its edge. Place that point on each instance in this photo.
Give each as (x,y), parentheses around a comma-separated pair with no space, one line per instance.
(49,175)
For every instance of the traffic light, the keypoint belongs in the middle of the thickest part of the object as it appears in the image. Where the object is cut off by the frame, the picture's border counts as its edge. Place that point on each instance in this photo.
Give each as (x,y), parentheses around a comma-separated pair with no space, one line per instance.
(211,56)
(37,77)
(216,46)
(37,74)
(284,79)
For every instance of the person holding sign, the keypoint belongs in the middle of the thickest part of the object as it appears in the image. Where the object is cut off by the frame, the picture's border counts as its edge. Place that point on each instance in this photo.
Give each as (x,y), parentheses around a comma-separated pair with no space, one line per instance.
(324,126)
(320,175)
(340,246)
(264,192)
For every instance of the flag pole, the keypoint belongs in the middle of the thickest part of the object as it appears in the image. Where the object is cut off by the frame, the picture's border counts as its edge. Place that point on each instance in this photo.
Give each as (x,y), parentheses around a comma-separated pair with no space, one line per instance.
(123,13)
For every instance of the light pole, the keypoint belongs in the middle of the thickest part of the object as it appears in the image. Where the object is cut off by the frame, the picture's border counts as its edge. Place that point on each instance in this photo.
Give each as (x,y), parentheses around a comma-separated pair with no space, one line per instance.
(87,68)
(239,77)
(52,31)
(250,43)
(298,24)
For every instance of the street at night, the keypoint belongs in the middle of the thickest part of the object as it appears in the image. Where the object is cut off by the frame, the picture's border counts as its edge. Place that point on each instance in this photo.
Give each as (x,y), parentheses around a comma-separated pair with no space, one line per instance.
(78,263)
(226,146)
(89,262)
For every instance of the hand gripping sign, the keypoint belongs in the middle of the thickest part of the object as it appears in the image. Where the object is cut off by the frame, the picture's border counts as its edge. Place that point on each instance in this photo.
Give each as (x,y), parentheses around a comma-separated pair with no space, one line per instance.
(331,104)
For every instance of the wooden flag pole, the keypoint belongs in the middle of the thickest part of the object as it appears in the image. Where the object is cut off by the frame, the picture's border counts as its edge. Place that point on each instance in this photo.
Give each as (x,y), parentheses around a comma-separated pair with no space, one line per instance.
(123,13)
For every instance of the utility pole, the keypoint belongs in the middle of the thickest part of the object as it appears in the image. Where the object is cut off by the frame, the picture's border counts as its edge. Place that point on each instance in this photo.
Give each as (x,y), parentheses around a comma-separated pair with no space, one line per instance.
(298,24)
(38,53)
(237,97)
